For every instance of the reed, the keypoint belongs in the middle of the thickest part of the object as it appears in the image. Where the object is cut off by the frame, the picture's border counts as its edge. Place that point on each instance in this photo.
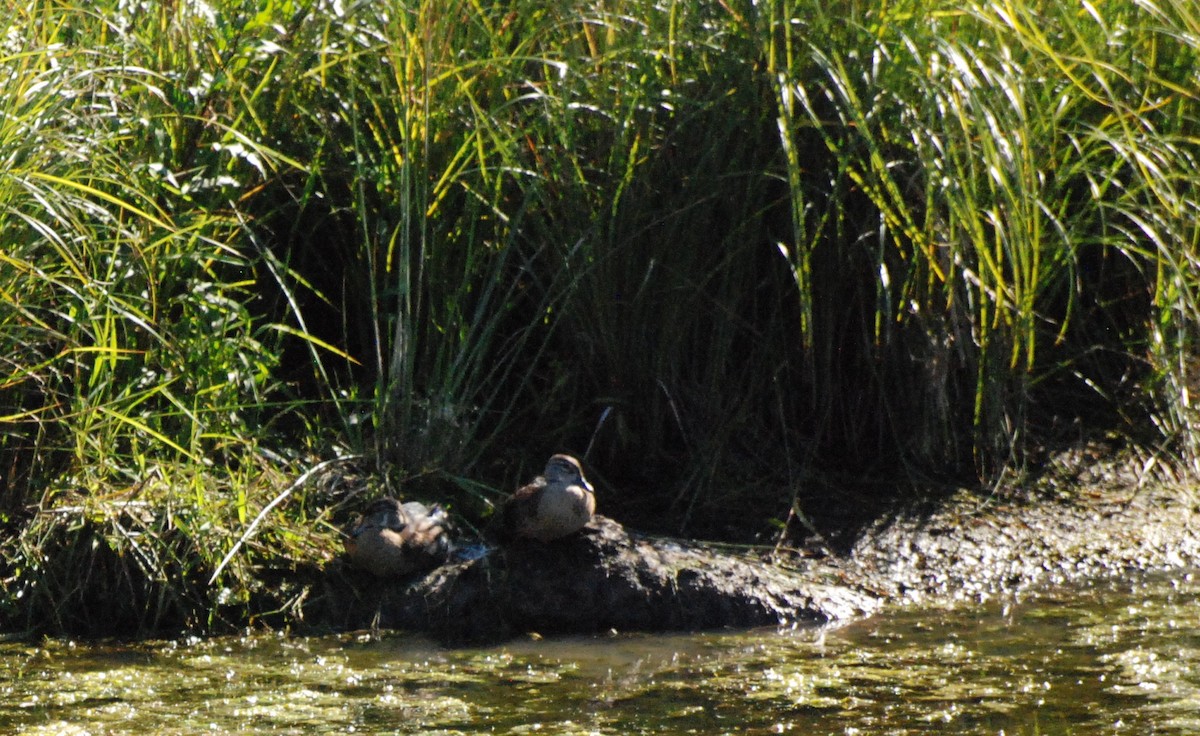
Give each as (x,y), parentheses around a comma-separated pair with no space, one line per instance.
(136,377)
(1024,167)
(782,247)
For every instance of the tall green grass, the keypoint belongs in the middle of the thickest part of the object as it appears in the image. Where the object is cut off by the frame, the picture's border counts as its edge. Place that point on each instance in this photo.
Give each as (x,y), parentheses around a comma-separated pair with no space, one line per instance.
(780,247)
(135,373)
(1030,173)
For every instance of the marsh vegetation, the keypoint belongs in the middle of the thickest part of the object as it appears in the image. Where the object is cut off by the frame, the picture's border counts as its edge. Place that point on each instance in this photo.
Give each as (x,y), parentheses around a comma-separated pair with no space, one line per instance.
(786,248)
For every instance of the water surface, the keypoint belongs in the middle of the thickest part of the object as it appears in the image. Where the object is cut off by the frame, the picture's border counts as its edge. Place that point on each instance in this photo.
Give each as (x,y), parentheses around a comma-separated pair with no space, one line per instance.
(1111,657)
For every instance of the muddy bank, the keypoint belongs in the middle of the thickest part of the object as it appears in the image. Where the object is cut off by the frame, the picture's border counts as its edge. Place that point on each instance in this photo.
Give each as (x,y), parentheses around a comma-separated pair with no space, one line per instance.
(612,578)
(604,578)
(974,548)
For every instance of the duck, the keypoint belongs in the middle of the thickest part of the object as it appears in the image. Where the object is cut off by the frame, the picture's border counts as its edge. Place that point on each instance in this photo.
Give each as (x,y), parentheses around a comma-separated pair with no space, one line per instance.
(392,539)
(556,504)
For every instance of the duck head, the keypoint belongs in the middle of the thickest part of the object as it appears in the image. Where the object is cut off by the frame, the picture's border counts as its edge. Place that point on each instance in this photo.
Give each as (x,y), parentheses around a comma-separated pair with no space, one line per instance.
(566,470)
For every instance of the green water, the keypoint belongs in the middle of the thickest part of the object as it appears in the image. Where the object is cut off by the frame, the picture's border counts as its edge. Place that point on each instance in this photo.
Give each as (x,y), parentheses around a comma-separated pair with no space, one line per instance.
(1114,657)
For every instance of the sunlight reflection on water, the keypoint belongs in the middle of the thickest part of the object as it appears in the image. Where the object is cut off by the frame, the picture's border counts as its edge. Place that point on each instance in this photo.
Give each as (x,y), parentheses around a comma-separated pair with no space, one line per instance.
(1117,656)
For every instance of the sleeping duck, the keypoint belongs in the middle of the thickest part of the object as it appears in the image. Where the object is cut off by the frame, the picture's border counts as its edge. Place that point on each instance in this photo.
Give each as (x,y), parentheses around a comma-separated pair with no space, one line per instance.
(392,539)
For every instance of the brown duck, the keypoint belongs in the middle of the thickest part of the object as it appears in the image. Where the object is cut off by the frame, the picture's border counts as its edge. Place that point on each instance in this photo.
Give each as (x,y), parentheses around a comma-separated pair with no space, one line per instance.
(557,503)
(393,539)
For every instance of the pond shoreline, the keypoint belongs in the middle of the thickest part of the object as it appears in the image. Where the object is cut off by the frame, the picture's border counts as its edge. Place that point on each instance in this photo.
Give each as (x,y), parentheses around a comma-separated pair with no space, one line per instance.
(1090,512)
(963,547)
(972,548)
